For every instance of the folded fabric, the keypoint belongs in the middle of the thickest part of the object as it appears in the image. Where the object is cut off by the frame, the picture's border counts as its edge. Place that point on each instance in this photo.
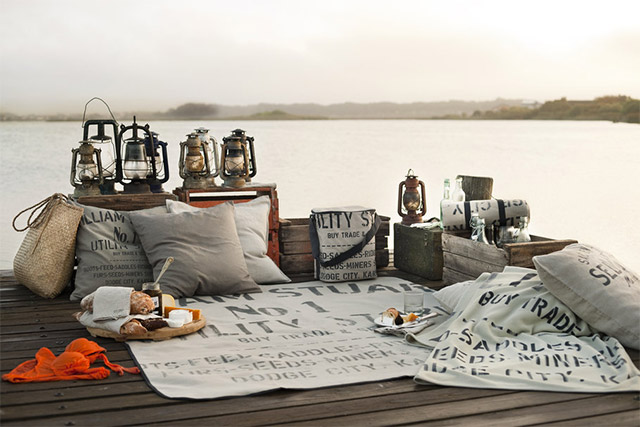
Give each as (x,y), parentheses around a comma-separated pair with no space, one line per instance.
(73,364)
(111,302)
(403,332)
(88,320)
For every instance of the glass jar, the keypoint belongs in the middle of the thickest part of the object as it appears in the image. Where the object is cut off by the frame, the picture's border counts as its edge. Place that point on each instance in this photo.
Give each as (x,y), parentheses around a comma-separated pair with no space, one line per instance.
(523,230)
(478,229)
(153,290)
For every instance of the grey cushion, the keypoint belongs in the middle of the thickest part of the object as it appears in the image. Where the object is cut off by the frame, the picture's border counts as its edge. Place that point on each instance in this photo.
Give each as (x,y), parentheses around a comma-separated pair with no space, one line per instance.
(597,288)
(109,252)
(252,225)
(205,246)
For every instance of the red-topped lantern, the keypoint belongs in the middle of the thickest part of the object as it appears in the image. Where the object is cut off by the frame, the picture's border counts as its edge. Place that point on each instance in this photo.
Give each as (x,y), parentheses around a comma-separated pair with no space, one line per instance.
(411,204)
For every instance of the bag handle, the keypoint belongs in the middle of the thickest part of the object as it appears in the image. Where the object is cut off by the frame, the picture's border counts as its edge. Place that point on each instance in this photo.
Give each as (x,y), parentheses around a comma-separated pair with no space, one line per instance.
(46,207)
(315,243)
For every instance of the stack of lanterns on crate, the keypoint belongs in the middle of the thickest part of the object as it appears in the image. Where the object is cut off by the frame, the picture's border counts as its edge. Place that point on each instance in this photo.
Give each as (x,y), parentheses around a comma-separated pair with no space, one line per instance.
(138,162)
(134,157)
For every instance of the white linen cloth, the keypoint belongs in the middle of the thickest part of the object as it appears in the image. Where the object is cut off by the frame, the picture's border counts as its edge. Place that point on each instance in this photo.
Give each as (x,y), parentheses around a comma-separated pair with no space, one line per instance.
(111,302)
(508,331)
(295,336)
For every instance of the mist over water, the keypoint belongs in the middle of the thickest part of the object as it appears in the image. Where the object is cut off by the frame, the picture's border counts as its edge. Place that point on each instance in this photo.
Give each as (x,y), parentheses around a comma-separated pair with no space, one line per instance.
(579,178)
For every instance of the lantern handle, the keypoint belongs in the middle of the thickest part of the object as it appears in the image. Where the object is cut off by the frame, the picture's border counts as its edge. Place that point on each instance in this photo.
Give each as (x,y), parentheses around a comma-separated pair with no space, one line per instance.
(400,199)
(99,99)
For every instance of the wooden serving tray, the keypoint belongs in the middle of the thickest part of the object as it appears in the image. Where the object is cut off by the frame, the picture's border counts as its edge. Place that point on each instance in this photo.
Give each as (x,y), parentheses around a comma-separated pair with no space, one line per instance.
(157,335)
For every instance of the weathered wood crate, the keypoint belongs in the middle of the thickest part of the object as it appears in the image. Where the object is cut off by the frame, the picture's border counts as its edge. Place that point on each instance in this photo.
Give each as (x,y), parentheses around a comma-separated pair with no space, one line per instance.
(418,251)
(126,202)
(465,259)
(295,245)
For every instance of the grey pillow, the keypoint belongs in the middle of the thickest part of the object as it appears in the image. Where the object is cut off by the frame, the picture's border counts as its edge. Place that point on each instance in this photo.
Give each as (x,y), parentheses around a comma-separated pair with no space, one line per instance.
(109,252)
(205,246)
(597,288)
(252,225)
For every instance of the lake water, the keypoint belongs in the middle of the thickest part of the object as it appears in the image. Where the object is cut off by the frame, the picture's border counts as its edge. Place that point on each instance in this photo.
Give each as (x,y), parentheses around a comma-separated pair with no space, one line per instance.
(579,178)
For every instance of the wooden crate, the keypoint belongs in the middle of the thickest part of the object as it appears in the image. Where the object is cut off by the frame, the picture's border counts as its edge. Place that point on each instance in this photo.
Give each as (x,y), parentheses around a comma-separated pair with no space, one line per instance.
(418,251)
(295,246)
(126,202)
(465,259)
(204,198)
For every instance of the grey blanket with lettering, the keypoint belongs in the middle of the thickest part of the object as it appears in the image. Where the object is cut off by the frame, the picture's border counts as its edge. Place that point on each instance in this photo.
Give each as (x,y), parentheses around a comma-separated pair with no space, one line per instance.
(295,336)
(508,331)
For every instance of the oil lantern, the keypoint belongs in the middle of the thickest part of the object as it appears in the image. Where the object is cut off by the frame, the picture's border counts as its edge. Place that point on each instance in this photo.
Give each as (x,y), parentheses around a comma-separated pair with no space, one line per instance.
(411,204)
(237,163)
(86,170)
(211,150)
(104,138)
(194,164)
(152,145)
(137,169)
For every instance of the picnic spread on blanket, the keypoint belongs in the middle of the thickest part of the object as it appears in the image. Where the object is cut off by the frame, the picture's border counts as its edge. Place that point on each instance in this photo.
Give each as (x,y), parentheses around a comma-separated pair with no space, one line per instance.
(196,293)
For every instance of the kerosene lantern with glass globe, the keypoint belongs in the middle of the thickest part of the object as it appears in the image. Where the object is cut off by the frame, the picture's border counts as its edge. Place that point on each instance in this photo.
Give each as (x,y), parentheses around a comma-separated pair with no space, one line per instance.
(194,163)
(152,145)
(211,149)
(138,169)
(104,138)
(411,203)
(87,174)
(237,163)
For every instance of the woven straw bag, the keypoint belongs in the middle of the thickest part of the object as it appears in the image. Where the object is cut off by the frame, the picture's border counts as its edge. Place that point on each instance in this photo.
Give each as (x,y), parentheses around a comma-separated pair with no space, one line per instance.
(44,262)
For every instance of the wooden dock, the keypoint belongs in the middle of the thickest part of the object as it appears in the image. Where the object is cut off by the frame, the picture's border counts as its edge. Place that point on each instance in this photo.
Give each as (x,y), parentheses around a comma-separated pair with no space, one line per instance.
(29,322)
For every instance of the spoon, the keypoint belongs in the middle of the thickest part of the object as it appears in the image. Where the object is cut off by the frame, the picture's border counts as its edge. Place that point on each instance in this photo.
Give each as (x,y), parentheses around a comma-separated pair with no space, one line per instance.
(166,265)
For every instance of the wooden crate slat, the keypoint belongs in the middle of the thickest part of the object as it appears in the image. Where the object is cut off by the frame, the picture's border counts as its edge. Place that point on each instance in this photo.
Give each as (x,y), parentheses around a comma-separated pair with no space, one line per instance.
(470,266)
(127,202)
(520,254)
(473,250)
(471,258)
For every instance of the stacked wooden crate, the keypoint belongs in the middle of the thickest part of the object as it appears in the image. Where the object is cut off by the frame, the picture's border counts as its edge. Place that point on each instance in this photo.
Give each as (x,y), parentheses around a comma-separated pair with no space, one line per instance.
(465,259)
(295,246)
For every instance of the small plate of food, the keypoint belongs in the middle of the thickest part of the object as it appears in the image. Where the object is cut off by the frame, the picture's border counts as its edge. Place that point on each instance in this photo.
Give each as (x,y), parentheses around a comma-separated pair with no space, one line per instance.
(393,318)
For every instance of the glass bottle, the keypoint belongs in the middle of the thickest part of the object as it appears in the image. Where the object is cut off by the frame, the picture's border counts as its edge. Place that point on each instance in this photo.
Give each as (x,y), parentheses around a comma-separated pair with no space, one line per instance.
(505,234)
(446,197)
(523,231)
(153,290)
(477,229)
(458,194)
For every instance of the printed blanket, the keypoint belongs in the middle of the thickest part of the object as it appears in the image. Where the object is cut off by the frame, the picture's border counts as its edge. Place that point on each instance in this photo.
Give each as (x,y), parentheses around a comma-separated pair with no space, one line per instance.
(295,336)
(508,331)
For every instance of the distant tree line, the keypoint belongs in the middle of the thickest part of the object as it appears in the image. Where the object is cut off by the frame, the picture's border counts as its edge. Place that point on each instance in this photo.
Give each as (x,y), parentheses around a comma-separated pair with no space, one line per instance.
(613,108)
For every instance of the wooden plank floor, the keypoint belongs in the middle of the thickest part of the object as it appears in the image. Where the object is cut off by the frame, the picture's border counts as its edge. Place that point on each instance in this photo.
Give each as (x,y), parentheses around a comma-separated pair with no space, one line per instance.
(28,322)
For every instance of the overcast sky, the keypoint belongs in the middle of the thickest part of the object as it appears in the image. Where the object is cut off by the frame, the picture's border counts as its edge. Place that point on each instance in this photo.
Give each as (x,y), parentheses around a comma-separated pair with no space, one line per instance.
(157,54)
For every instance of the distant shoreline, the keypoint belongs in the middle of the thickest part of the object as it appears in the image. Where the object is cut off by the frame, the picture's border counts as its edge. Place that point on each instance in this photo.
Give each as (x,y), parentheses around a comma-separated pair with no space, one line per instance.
(618,108)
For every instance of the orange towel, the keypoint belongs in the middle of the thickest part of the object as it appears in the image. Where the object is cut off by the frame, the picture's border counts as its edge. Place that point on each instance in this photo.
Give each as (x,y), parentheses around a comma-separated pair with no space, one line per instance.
(73,364)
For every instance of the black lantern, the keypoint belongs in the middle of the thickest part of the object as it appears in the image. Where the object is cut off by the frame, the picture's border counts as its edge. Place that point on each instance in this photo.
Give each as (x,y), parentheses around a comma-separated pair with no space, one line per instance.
(194,164)
(138,169)
(411,204)
(152,145)
(87,174)
(104,139)
(238,162)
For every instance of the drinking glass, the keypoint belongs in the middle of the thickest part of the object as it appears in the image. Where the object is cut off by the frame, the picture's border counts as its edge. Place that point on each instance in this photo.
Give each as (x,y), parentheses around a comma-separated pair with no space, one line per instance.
(413,302)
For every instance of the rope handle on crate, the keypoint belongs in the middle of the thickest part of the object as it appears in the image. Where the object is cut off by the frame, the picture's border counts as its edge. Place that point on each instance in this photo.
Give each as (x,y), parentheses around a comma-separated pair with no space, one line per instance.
(46,207)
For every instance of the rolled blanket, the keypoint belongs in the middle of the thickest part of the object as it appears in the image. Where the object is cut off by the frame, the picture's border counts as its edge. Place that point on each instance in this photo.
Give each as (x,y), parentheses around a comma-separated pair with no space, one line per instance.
(456,215)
